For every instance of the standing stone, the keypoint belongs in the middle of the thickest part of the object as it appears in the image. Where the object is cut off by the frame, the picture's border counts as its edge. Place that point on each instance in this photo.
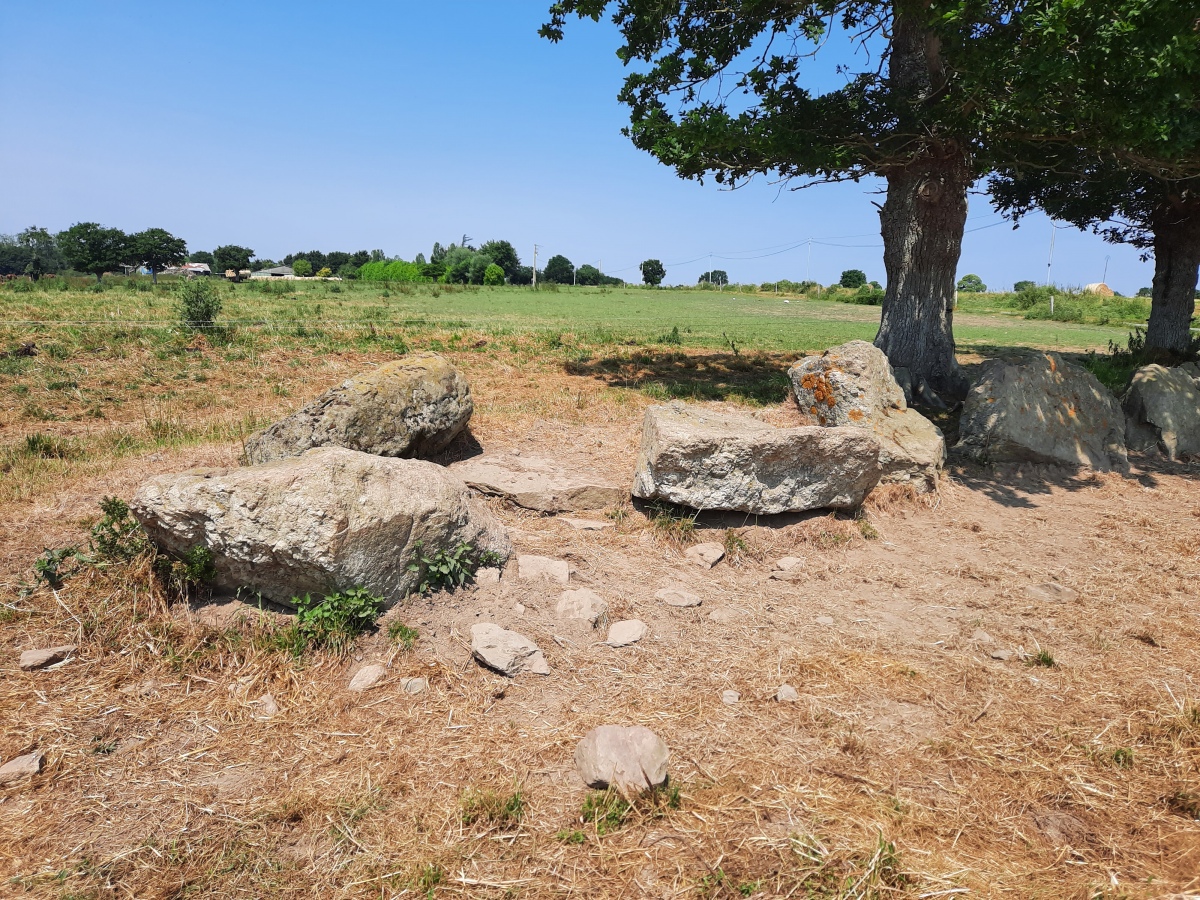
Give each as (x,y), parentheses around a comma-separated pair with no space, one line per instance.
(21,767)
(1162,409)
(538,483)
(708,460)
(675,596)
(506,652)
(324,522)
(413,406)
(706,555)
(629,759)
(32,660)
(624,633)
(367,677)
(1043,410)
(533,568)
(854,385)
(582,604)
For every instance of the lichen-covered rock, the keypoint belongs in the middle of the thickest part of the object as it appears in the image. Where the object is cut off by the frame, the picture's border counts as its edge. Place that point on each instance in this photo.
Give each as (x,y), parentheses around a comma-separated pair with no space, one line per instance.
(1162,409)
(708,460)
(1045,410)
(853,385)
(411,407)
(326,521)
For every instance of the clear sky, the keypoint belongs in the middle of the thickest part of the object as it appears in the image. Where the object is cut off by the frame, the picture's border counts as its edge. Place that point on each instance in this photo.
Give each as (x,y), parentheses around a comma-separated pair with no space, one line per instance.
(360,125)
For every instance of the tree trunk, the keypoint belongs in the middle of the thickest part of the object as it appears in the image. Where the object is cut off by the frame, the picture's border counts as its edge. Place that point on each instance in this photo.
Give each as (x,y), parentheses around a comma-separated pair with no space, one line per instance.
(1176,265)
(154,274)
(922,224)
(100,277)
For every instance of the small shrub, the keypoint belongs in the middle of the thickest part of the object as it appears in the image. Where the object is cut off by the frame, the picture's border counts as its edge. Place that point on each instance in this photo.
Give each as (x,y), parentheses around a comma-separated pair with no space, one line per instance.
(493,276)
(199,303)
(118,536)
(672,338)
(54,567)
(333,622)
(401,635)
(448,570)
(325,272)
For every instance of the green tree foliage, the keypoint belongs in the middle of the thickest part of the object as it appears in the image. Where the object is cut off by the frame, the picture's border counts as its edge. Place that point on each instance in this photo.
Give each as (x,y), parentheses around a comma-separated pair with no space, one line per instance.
(231,256)
(91,248)
(478,268)
(653,272)
(853,278)
(587,274)
(503,254)
(1145,292)
(33,252)
(716,276)
(457,262)
(203,256)
(1024,286)
(397,271)
(522,275)
(156,248)
(493,275)
(301,268)
(971,284)
(559,270)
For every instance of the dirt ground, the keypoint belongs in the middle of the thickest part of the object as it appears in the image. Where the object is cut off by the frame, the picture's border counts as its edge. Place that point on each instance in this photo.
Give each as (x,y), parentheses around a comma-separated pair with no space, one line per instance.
(998,695)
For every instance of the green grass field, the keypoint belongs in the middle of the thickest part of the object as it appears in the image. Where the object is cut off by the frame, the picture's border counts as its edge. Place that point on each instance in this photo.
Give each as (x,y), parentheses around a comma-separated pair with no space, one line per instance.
(704,318)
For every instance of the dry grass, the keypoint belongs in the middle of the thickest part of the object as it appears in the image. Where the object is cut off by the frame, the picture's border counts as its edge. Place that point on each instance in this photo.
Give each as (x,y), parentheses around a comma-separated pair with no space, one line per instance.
(913,765)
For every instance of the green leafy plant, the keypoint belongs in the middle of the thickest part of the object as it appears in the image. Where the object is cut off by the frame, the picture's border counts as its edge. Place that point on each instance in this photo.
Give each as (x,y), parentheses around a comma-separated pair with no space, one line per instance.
(449,569)
(199,303)
(333,622)
(54,567)
(400,634)
(118,536)
(1043,658)
(672,338)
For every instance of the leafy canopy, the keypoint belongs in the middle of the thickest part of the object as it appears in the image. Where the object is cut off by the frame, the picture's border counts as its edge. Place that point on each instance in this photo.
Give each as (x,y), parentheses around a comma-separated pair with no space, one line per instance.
(653,272)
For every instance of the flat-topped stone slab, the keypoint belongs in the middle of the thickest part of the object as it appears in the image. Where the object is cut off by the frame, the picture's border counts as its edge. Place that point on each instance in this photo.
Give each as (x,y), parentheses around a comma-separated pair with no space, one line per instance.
(539,482)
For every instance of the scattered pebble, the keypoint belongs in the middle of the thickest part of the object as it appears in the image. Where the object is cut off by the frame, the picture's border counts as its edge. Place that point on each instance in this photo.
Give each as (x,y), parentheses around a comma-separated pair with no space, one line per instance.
(414,685)
(1049,591)
(582,604)
(530,568)
(367,677)
(506,652)
(707,555)
(677,597)
(21,767)
(824,620)
(266,707)
(787,694)
(32,660)
(627,632)
(726,615)
(730,697)
(982,637)
(630,759)
(1003,654)
(788,563)
(487,575)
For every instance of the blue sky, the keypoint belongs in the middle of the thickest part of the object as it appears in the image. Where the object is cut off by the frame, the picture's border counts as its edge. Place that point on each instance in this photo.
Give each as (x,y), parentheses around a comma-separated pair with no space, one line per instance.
(361,125)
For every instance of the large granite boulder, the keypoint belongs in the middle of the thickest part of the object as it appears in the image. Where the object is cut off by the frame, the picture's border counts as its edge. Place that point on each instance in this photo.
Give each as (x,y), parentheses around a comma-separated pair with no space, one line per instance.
(326,521)
(413,406)
(1046,410)
(711,460)
(538,483)
(1162,409)
(853,385)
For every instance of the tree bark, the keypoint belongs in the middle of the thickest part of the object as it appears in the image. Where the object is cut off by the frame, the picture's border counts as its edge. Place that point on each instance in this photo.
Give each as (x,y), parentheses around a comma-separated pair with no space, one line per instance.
(1176,265)
(923,219)
(922,225)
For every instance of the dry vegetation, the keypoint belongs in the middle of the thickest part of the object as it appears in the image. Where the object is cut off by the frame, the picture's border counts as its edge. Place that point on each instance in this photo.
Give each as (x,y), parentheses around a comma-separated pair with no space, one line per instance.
(913,765)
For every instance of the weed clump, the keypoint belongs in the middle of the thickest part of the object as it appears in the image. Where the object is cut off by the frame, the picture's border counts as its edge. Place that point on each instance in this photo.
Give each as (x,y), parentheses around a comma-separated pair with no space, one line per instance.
(331,623)
(199,303)
(449,570)
(490,808)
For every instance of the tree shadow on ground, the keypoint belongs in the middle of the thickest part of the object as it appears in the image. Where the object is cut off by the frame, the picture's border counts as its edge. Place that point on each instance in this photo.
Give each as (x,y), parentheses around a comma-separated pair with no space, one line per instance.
(756,379)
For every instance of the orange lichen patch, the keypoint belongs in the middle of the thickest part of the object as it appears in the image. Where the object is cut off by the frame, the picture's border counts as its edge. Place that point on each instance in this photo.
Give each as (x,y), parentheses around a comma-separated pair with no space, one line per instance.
(812,410)
(856,415)
(830,402)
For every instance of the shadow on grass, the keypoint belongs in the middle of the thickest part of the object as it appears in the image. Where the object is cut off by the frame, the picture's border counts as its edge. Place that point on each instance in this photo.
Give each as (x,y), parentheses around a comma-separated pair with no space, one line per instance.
(757,379)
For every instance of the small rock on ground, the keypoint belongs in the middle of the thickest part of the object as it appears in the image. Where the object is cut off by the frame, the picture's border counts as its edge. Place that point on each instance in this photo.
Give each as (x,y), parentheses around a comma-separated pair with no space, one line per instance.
(622,634)
(32,660)
(506,652)
(1004,655)
(487,575)
(530,568)
(21,767)
(707,555)
(1050,591)
(727,615)
(677,597)
(982,637)
(414,685)
(582,604)
(629,759)
(788,563)
(367,677)
(824,620)
(730,697)
(586,524)
(787,694)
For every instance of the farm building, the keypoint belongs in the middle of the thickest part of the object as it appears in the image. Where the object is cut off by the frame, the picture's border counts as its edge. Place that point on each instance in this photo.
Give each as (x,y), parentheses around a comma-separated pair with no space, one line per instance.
(276,272)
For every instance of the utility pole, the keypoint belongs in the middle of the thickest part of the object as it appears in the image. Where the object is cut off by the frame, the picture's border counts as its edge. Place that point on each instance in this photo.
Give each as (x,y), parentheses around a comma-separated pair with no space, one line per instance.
(808,268)
(535,250)
(1104,277)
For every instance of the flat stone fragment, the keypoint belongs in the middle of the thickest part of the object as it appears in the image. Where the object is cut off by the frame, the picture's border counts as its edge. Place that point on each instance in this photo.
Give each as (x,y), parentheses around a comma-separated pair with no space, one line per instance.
(787,694)
(1162,409)
(1050,591)
(367,677)
(624,633)
(265,707)
(678,597)
(707,555)
(854,385)
(506,652)
(730,697)
(539,483)
(1004,655)
(629,759)
(788,563)
(414,685)
(32,660)
(414,406)
(586,524)
(487,575)
(324,522)
(982,637)
(531,568)
(708,460)
(824,620)
(21,767)
(726,615)
(1043,410)
(583,604)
